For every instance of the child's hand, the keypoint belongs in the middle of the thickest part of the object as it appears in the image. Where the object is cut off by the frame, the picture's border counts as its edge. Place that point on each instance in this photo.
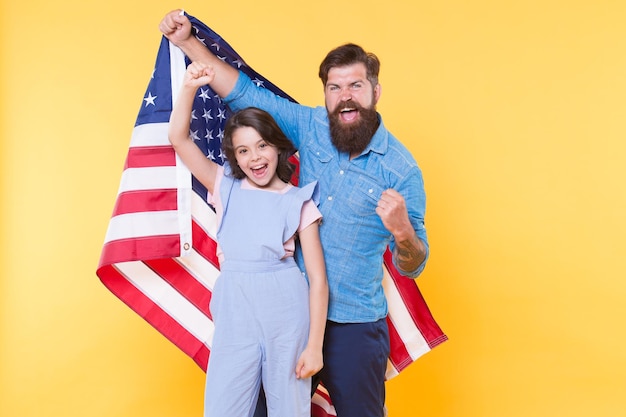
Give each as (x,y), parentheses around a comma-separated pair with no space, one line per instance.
(198,74)
(309,363)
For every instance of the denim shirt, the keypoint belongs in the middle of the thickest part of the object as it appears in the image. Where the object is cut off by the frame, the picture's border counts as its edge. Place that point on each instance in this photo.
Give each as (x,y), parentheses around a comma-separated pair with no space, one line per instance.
(353,237)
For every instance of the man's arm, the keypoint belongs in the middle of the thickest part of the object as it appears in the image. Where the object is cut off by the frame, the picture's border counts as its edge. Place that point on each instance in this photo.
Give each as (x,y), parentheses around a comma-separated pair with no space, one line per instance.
(410,251)
(177,28)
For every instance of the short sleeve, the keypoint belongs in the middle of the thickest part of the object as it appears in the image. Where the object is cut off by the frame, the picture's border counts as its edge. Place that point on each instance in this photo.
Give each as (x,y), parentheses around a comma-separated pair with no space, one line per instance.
(298,207)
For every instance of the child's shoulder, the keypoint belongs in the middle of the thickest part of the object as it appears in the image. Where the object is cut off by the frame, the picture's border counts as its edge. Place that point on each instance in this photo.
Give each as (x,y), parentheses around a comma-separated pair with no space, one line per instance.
(308,191)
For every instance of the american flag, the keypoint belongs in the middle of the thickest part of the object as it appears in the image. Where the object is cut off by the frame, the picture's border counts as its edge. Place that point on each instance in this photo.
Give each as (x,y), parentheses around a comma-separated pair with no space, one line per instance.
(159,255)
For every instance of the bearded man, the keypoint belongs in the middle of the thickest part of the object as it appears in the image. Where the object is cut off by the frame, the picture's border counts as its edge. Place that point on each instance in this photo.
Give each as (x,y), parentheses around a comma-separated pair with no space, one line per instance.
(371,197)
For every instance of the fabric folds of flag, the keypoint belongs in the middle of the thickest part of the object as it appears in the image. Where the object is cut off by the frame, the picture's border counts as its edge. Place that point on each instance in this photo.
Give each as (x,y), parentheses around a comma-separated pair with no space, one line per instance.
(159,251)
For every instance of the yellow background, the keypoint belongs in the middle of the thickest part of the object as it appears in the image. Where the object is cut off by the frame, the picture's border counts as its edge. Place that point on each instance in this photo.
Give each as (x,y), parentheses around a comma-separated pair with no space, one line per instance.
(515,111)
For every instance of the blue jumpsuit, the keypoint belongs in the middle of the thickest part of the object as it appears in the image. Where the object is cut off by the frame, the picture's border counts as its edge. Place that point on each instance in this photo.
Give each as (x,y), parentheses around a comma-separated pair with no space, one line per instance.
(260,306)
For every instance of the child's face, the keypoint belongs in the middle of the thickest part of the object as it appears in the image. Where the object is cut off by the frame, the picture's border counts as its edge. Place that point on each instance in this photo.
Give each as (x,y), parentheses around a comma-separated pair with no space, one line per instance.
(257,158)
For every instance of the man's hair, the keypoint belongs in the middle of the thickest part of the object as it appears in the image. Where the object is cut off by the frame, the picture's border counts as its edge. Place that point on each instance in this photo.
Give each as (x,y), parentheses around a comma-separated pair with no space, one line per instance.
(268,129)
(349,54)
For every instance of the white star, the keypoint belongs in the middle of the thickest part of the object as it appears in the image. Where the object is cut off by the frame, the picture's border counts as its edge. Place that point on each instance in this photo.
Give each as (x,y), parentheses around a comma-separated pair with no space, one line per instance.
(198,37)
(220,134)
(216,46)
(150,99)
(193,115)
(238,62)
(207,115)
(222,114)
(209,135)
(222,155)
(210,155)
(223,58)
(258,82)
(204,95)
(194,135)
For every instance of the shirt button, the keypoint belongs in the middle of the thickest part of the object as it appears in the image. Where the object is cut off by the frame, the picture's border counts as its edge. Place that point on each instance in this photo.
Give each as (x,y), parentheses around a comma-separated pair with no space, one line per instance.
(371,190)
(341,172)
(330,197)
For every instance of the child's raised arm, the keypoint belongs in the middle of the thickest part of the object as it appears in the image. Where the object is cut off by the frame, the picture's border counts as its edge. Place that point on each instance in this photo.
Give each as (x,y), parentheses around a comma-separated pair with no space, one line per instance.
(205,170)
(311,361)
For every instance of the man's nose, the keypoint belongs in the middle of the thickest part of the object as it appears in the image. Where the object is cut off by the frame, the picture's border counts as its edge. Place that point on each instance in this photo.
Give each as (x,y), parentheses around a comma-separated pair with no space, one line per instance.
(346,95)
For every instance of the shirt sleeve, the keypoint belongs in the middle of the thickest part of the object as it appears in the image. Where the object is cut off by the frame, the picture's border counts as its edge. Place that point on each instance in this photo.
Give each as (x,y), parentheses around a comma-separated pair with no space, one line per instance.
(309,214)
(293,119)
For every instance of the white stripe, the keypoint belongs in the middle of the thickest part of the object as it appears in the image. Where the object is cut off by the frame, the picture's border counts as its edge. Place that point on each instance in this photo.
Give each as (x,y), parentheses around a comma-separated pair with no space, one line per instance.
(322,402)
(196,207)
(177,70)
(183,176)
(143,224)
(152,178)
(204,271)
(150,134)
(183,201)
(170,300)
(204,216)
(391,371)
(412,338)
(201,269)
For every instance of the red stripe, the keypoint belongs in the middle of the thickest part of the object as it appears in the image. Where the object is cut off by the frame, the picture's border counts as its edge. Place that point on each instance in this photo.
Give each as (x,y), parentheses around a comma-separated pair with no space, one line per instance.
(323,393)
(140,248)
(153,314)
(321,397)
(185,283)
(416,305)
(296,173)
(398,356)
(318,411)
(150,156)
(204,244)
(145,200)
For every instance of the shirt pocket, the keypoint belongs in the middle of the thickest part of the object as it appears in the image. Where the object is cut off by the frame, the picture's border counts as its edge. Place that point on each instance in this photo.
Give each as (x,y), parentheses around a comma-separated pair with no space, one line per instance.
(317,161)
(319,154)
(364,196)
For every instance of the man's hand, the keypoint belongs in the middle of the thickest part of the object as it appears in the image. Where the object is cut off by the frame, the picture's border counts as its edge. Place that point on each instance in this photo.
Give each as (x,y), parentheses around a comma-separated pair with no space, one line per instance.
(176,27)
(410,251)
(392,211)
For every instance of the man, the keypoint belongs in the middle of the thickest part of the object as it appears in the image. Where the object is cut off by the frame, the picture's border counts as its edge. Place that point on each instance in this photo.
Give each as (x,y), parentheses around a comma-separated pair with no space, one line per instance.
(371,196)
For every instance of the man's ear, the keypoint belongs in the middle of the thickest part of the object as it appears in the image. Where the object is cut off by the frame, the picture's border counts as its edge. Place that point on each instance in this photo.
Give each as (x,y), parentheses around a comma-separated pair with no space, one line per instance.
(377,92)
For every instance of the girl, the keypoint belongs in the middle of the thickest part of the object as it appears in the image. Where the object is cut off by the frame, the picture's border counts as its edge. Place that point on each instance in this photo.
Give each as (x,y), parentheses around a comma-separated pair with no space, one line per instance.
(269,324)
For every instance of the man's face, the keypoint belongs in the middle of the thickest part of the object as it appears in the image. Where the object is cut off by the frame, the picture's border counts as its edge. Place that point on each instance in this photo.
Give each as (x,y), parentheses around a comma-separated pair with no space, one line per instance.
(351,105)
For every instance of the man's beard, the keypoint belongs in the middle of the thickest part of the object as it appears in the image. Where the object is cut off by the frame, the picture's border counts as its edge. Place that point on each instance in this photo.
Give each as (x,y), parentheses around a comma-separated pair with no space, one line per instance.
(353,138)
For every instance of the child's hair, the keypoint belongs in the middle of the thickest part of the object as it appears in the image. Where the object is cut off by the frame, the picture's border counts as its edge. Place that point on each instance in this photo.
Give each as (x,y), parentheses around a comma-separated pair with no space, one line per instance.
(268,129)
